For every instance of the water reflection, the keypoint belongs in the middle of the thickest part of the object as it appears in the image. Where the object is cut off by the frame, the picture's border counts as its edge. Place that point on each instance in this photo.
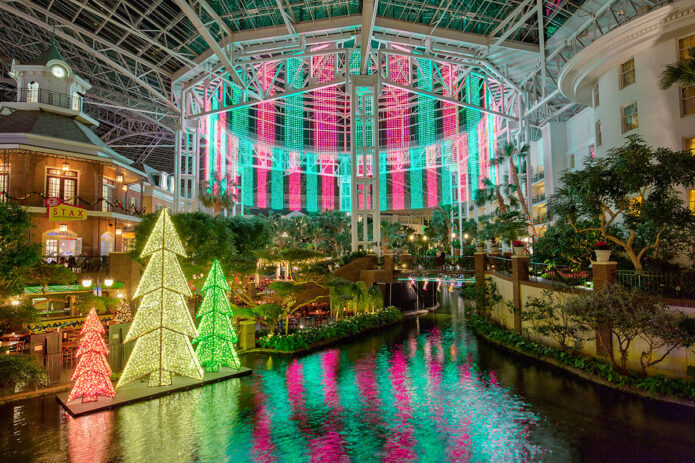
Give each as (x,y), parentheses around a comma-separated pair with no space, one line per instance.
(427,401)
(89,437)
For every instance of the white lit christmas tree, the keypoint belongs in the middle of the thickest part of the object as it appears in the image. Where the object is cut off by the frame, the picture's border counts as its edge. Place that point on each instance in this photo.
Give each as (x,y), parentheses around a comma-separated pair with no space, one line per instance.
(162,325)
(216,336)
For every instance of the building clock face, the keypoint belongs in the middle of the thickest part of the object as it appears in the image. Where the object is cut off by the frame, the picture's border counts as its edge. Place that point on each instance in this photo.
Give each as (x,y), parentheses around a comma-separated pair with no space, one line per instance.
(58,71)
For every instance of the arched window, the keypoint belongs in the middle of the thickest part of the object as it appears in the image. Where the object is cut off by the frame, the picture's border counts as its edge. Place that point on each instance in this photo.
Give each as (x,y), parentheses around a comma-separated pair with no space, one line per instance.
(107,244)
(33,92)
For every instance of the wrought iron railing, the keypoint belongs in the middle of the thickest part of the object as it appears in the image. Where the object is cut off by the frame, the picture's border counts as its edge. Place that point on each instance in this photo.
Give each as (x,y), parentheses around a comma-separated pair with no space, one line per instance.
(62,100)
(558,275)
(81,264)
(539,198)
(674,285)
(538,176)
(500,265)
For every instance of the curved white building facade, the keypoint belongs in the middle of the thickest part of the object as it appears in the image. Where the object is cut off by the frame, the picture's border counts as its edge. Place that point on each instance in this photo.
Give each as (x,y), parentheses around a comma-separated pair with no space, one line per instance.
(617,77)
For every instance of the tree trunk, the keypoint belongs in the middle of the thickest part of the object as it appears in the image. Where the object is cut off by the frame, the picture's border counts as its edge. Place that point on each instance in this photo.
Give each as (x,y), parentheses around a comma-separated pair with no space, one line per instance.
(519,193)
(633,258)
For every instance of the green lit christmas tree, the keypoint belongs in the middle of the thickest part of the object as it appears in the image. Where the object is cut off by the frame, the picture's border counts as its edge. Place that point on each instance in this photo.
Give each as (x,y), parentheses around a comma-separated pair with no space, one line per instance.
(162,325)
(216,336)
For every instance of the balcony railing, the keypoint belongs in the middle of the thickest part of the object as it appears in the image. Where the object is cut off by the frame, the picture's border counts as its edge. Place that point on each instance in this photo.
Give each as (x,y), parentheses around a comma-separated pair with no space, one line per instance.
(62,100)
(537,177)
(81,264)
(674,285)
(540,219)
(538,198)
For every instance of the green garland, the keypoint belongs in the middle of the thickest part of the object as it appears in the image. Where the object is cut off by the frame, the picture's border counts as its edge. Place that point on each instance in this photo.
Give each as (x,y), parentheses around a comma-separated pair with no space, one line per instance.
(309,337)
(652,385)
(117,204)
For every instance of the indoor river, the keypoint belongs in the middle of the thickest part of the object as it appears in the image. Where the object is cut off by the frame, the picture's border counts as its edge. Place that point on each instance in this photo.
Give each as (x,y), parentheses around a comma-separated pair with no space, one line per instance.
(427,390)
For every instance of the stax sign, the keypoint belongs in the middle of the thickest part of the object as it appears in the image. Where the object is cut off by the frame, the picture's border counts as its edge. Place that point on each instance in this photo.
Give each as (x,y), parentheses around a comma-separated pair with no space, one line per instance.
(58,211)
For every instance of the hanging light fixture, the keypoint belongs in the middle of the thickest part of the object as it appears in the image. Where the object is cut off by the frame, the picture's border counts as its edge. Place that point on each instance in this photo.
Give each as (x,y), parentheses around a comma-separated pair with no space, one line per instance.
(108,282)
(119,231)
(87,282)
(119,178)
(63,227)
(66,166)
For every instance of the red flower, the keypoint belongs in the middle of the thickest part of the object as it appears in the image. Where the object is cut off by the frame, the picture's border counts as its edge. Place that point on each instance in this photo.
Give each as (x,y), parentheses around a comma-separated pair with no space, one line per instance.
(518,244)
(602,245)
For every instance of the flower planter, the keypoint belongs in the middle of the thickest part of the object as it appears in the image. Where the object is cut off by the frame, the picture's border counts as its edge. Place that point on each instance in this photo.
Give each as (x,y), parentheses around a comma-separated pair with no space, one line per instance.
(519,251)
(494,250)
(603,255)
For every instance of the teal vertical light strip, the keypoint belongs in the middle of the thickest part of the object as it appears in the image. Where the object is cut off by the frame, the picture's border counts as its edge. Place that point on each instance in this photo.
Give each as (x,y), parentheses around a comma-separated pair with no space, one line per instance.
(355,62)
(472,121)
(277,184)
(312,192)
(294,129)
(446,172)
(383,182)
(417,163)
(345,177)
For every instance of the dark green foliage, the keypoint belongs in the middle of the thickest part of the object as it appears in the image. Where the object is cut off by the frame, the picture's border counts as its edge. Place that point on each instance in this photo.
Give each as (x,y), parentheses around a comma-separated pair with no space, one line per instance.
(631,197)
(335,330)
(12,317)
(46,274)
(102,304)
(597,367)
(17,255)
(506,227)
(561,245)
(20,371)
(485,296)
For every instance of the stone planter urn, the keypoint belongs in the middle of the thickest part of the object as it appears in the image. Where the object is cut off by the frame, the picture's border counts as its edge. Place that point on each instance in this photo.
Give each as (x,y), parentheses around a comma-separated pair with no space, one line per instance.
(603,255)
(519,251)
(494,249)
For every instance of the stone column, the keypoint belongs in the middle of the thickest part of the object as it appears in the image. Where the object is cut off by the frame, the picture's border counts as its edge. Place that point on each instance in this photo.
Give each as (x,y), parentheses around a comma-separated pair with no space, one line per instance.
(247,335)
(604,275)
(519,273)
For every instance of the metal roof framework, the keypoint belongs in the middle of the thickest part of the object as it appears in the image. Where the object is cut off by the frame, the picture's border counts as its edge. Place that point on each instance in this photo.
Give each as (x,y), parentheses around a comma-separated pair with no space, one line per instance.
(142,56)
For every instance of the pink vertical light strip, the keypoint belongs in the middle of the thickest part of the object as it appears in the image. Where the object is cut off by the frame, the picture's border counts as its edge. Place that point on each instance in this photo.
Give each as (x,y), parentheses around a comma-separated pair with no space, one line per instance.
(266,135)
(219,154)
(295,199)
(431,163)
(325,123)
(398,127)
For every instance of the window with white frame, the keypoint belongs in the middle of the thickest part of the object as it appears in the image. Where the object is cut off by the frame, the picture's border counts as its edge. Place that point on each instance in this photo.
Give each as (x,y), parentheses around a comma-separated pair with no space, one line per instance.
(689,144)
(630,117)
(684,46)
(687,100)
(627,73)
(62,184)
(4,181)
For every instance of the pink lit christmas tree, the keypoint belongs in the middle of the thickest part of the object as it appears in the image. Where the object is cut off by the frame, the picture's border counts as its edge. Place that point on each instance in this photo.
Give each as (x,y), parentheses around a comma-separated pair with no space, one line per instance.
(92,375)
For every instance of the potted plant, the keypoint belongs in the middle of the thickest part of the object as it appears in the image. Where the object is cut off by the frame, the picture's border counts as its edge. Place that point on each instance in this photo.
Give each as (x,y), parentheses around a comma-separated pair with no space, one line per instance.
(480,246)
(603,251)
(519,248)
(494,246)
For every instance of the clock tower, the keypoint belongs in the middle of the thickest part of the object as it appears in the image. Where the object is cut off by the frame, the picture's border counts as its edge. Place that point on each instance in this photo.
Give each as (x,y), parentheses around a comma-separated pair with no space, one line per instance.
(49,84)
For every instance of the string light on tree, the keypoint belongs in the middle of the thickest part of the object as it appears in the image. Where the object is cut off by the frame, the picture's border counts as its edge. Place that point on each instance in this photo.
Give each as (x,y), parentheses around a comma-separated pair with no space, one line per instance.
(162,325)
(216,336)
(92,374)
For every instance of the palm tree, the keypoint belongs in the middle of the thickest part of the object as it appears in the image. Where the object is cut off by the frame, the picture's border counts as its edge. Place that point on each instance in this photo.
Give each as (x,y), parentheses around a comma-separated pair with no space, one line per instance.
(508,153)
(682,72)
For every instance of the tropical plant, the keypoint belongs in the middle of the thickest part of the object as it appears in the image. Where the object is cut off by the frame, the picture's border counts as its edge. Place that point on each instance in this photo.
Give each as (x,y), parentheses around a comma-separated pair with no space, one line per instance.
(19,371)
(18,257)
(548,317)
(515,158)
(44,274)
(217,194)
(440,227)
(682,72)
(506,227)
(630,197)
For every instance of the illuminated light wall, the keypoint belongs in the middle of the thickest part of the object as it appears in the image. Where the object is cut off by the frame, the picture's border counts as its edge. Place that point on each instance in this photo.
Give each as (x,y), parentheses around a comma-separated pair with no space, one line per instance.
(383,182)
(427,134)
(491,126)
(294,132)
(397,128)
(265,131)
(472,122)
(451,147)
(325,127)
(239,126)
